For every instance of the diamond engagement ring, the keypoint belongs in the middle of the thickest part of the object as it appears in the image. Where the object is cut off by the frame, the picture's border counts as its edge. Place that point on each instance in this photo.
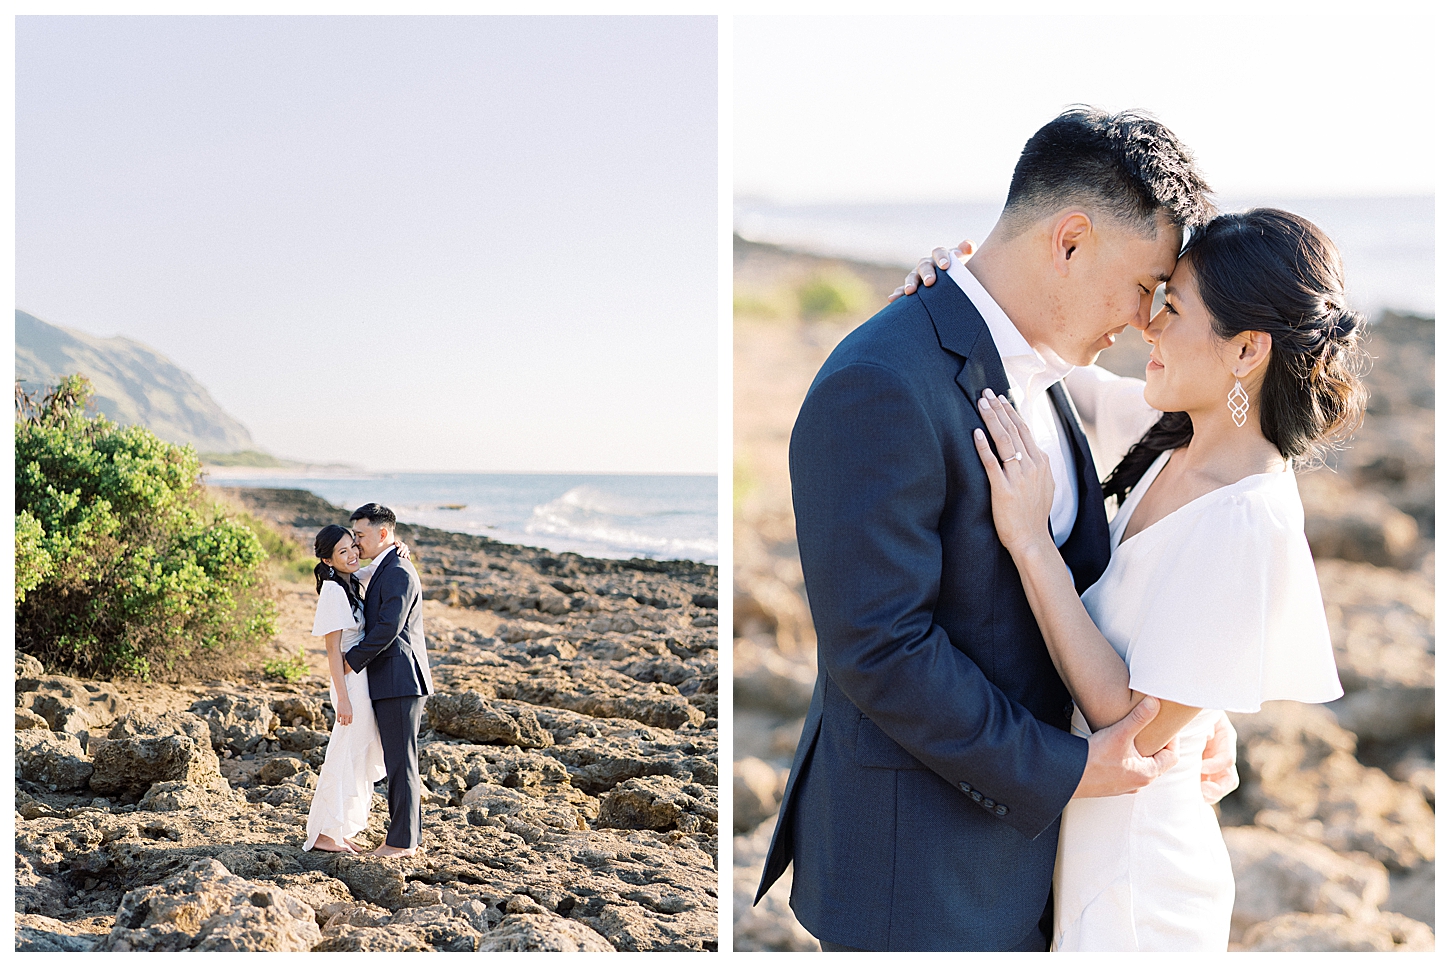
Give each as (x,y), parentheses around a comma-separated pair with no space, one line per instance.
(1015,456)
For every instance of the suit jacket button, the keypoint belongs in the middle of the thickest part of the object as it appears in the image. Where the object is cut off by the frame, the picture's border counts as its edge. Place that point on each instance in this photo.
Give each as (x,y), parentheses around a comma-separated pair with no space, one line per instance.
(966,786)
(976,796)
(1001,810)
(988,802)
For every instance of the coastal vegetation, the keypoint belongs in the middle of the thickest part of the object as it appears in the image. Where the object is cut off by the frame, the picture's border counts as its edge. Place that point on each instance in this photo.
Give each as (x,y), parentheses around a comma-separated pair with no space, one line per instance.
(124,566)
(290,670)
(832,294)
(823,295)
(825,290)
(286,559)
(246,458)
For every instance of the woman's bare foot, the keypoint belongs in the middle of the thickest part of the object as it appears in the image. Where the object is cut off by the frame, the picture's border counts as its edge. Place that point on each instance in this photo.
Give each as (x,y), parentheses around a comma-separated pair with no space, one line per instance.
(352,845)
(329,845)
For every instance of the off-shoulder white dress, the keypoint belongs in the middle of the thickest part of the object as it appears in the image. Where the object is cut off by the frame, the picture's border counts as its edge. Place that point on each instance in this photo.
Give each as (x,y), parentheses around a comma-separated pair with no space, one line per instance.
(354,759)
(1214,606)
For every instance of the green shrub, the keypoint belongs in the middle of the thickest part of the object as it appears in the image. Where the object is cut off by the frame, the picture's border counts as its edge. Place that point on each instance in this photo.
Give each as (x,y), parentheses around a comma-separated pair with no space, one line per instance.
(292,669)
(123,566)
(33,563)
(832,294)
(285,556)
(300,571)
(758,306)
(744,483)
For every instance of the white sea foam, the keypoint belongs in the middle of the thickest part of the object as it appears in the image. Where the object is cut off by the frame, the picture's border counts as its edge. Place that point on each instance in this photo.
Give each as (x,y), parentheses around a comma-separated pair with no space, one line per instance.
(630,523)
(611,516)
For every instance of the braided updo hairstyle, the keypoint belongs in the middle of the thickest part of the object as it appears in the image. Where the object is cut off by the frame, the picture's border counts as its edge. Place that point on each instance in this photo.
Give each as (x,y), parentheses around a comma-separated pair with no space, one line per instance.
(1271,271)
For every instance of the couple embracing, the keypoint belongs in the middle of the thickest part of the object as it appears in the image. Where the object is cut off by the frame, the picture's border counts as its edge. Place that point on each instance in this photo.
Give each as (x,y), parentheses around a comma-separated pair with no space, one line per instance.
(1018,727)
(372,620)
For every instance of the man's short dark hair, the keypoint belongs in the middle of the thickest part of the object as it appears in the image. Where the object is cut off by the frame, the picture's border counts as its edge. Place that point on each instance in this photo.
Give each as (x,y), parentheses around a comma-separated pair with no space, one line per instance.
(1127,164)
(376,514)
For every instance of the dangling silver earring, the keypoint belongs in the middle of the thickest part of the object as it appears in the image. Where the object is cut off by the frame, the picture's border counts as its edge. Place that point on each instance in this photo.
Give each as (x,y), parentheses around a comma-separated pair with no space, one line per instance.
(330,572)
(1238,404)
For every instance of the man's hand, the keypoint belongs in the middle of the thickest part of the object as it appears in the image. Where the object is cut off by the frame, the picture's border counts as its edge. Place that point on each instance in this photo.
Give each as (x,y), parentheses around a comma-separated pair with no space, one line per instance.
(1220,774)
(1114,766)
(925,271)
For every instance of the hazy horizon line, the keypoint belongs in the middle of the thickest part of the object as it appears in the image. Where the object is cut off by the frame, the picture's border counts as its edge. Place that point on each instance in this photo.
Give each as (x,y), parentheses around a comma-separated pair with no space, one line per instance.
(998,199)
(361,471)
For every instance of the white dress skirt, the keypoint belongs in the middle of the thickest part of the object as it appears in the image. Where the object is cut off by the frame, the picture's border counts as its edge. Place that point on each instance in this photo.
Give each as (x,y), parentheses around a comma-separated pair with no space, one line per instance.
(1215,606)
(354,759)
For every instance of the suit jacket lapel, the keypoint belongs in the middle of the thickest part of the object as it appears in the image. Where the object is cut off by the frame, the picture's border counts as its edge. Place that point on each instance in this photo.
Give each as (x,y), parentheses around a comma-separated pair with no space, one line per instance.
(961,330)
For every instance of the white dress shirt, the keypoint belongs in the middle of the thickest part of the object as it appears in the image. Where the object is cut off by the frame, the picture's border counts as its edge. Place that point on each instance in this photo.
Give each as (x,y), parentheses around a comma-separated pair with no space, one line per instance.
(382,554)
(1029,375)
(1113,412)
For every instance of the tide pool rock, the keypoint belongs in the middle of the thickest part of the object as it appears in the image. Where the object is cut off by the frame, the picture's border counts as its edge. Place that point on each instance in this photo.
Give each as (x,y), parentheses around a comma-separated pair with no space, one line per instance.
(206,908)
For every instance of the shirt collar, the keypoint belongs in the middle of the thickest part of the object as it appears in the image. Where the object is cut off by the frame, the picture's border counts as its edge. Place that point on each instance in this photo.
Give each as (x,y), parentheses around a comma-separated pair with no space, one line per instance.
(385,552)
(1032,370)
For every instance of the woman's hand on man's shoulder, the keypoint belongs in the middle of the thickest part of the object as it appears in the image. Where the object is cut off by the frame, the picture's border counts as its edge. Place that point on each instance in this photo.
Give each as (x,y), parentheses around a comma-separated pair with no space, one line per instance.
(925,271)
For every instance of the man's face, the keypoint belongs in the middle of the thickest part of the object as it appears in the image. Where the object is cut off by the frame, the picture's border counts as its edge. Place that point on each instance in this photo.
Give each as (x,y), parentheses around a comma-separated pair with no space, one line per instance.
(372,537)
(1111,287)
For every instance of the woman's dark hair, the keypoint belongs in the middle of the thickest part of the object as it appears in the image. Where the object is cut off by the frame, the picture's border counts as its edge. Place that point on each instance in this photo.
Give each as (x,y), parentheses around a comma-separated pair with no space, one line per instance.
(1271,271)
(324,544)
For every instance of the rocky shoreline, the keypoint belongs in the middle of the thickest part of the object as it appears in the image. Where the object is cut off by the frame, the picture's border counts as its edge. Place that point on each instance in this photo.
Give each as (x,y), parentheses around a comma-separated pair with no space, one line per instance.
(1332,830)
(569,757)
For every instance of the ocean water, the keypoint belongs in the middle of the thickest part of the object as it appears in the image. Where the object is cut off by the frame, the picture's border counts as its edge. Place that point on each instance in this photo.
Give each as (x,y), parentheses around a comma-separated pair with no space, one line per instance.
(1388,244)
(663,517)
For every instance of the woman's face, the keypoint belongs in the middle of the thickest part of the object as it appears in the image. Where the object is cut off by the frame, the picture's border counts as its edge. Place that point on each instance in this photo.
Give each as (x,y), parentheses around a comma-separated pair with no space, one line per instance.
(1189,369)
(344,557)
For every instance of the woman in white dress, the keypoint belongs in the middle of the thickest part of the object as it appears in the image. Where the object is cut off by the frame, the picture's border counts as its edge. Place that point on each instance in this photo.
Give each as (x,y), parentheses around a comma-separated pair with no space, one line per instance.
(354,759)
(1210,600)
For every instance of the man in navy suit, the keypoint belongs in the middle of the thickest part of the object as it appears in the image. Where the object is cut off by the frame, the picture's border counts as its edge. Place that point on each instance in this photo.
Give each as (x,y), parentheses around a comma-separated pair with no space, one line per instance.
(395,654)
(923,804)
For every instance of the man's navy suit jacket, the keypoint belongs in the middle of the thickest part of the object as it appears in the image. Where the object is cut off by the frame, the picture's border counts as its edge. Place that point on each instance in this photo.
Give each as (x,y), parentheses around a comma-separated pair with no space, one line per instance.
(923,805)
(393,619)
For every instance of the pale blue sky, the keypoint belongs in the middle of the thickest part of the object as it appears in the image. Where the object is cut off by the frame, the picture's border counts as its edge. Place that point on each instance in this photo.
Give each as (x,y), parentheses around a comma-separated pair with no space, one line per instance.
(466,218)
(914,108)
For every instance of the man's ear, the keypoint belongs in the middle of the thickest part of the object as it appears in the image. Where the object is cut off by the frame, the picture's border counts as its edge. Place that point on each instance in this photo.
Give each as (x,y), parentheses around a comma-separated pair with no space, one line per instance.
(1072,228)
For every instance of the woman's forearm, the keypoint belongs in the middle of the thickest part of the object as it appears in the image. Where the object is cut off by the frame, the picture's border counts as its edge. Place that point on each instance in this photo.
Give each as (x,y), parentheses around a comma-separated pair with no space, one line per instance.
(1095,675)
(1093,672)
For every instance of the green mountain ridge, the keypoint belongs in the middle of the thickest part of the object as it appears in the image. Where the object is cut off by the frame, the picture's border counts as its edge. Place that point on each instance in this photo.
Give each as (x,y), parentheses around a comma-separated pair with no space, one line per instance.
(134,384)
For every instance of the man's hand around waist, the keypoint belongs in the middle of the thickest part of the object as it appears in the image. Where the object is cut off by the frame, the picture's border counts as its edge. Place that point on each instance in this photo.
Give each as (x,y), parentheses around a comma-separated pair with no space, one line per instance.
(1114,766)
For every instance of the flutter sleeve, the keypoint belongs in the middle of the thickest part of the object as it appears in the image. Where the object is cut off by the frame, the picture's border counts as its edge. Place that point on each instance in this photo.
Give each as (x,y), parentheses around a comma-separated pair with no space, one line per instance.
(1238,618)
(334,613)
